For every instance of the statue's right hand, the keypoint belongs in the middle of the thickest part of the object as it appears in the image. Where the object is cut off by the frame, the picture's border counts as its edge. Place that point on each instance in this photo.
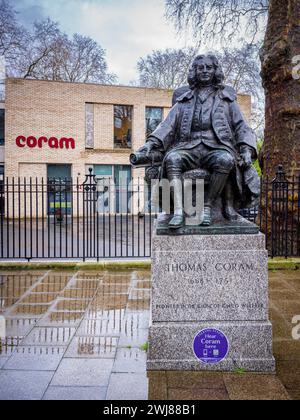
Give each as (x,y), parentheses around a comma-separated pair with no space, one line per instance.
(148,148)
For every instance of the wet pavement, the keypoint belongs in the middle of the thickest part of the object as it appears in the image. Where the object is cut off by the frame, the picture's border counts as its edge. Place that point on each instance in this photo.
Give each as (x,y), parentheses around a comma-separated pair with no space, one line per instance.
(83,335)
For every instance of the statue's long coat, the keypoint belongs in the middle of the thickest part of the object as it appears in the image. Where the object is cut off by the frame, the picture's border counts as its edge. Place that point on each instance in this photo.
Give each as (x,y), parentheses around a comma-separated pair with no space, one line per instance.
(229,125)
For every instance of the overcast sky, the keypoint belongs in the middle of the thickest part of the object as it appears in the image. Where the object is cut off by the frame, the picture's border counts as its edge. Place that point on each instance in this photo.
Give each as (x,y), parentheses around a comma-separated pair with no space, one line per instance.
(126,29)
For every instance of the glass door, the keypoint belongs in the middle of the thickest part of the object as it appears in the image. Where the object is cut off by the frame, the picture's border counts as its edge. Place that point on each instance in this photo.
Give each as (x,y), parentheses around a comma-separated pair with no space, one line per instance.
(59,190)
(123,194)
(2,191)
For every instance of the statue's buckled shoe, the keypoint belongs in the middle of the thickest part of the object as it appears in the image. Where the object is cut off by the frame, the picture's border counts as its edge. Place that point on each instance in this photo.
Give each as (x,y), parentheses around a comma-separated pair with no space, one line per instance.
(177,222)
(207,220)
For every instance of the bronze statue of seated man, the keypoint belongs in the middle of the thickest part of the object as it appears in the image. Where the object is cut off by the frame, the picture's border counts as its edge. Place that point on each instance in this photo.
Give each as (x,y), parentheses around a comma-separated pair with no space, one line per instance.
(205,129)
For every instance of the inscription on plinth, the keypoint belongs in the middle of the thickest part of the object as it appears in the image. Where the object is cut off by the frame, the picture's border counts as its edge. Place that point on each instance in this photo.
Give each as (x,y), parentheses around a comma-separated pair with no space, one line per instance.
(222,285)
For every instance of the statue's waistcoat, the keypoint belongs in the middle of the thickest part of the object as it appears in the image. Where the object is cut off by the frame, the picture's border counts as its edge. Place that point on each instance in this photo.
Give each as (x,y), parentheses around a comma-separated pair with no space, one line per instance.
(219,120)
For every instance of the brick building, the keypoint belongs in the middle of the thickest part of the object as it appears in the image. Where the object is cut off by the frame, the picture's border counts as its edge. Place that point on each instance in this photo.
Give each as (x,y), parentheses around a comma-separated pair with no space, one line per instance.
(59,129)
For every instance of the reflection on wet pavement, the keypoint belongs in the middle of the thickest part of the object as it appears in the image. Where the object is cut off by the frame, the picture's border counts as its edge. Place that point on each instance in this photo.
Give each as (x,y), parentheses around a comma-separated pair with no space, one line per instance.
(82,335)
(70,324)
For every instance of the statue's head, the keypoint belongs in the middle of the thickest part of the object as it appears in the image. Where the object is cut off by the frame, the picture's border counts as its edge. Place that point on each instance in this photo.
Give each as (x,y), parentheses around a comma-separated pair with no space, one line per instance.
(206,70)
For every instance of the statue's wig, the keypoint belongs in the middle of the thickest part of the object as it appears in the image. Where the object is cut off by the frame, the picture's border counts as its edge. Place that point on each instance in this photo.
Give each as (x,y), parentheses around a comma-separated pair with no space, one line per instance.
(219,77)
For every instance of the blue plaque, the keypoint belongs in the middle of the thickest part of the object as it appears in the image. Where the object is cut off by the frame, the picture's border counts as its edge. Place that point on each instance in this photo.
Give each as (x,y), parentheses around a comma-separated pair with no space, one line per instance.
(211,346)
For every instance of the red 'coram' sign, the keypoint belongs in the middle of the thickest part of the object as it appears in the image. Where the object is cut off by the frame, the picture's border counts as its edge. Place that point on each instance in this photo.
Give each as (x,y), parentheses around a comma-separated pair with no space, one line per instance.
(53,142)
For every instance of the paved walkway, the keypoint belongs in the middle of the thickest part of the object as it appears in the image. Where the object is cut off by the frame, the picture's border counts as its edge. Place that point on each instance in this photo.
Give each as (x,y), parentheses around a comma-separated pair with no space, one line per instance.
(83,335)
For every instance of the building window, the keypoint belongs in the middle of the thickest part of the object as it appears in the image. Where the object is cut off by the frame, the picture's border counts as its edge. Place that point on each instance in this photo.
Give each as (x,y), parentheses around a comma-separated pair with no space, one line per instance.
(2,127)
(154,117)
(59,171)
(89,126)
(123,126)
(103,171)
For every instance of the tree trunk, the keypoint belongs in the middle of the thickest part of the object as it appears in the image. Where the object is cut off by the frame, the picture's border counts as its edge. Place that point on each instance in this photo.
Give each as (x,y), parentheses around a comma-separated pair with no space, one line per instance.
(282,44)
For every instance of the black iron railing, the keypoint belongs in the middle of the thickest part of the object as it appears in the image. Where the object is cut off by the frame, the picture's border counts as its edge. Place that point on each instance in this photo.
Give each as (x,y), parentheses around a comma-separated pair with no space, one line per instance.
(279,214)
(96,219)
(63,219)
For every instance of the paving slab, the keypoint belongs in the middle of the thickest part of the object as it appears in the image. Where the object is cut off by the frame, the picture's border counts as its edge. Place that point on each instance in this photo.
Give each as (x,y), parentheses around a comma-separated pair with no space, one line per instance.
(72,305)
(123,386)
(90,275)
(294,394)
(93,347)
(49,288)
(278,296)
(19,327)
(21,385)
(8,346)
(83,372)
(197,394)
(61,318)
(286,350)
(135,338)
(254,387)
(39,298)
(289,374)
(106,303)
(85,284)
(29,310)
(158,387)
(50,336)
(35,358)
(113,288)
(78,294)
(281,329)
(288,307)
(277,283)
(195,380)
(3,360)
(58,278)
(100,327)
(130,360)
(68,393)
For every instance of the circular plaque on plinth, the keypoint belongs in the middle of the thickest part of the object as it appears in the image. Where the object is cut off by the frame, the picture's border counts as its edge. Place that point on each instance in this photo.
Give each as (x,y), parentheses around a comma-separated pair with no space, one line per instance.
(211,346)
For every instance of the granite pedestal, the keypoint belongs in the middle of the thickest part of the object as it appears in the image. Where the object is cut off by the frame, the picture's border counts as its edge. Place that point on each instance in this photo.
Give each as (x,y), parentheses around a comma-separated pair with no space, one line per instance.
(215,282)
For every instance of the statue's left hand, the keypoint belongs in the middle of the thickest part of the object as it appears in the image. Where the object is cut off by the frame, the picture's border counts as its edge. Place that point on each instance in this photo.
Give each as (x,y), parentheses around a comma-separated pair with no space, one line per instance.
(246,155)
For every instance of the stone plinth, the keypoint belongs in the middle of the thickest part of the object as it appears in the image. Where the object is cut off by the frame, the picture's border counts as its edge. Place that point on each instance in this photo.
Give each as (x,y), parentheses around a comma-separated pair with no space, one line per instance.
(215,282)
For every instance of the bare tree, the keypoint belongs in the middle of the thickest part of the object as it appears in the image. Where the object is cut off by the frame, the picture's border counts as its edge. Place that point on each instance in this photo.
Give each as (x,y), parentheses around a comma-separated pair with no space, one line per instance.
(166,69)
(48,53)
(51,55)
(215,19)
(242,69)
(44,54)
(13,37)
(218,19)
(85,62)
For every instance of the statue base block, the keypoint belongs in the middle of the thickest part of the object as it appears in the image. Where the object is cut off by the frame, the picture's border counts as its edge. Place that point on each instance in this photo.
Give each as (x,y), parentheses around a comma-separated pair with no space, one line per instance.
(210,304)
(239,227)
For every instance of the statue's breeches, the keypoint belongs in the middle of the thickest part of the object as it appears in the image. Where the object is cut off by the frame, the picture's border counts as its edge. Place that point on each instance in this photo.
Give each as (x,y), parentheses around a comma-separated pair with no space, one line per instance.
(181,160)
